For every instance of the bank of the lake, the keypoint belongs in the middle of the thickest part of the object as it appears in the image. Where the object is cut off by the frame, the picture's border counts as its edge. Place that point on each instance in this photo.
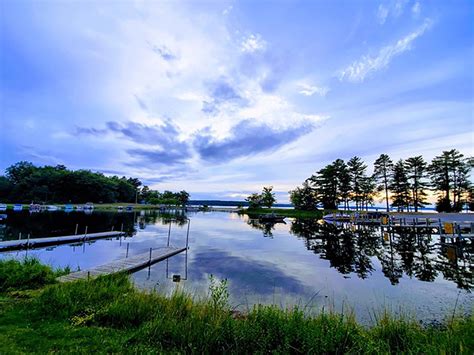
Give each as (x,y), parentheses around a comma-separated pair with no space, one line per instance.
(108,314)
(285,212)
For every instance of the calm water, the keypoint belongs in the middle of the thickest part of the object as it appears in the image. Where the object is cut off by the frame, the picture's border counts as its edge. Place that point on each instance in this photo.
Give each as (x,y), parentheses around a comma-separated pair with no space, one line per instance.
(300,262)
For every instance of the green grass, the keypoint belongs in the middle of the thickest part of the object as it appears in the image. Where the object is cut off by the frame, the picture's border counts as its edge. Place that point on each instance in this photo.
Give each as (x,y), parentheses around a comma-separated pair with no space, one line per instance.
(286,212)
(108,314)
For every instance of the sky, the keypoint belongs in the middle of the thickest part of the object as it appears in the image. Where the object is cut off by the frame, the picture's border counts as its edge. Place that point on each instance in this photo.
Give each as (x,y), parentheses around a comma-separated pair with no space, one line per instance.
(221,98)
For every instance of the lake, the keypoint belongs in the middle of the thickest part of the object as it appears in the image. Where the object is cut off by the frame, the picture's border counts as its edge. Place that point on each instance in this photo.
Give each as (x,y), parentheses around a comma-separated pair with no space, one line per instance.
(302,262)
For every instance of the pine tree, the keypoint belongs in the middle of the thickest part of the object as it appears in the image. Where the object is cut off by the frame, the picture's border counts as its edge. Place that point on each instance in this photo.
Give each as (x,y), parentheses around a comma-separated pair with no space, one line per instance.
(400,187)
(357,170)
(450,176)
(416,171)
(383,171)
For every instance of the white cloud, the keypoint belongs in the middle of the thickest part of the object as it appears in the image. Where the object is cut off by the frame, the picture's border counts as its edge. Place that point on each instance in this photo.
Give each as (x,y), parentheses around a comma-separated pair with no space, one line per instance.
(253,43)
(416,9)
(382,13)
(309,90)
(359,70)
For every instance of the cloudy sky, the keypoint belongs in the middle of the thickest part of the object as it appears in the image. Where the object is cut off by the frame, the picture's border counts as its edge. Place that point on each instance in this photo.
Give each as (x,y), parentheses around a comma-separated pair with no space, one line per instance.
(221,98)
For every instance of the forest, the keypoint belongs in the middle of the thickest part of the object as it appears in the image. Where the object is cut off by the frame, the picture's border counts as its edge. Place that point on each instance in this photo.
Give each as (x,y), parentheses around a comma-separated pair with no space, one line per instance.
(403,185)
(24,182)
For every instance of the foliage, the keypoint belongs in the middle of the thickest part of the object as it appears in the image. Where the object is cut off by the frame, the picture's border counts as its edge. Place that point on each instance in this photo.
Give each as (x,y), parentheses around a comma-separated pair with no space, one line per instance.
(28,273)
(416,173)
(304,198)
(109,315)
(218,292)
(400,187)
(266,198)
(25,182)
(383,171)
(450,176)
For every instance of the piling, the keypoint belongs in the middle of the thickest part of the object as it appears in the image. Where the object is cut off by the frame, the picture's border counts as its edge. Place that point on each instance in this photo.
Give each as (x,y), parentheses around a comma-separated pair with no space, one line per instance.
(77,226)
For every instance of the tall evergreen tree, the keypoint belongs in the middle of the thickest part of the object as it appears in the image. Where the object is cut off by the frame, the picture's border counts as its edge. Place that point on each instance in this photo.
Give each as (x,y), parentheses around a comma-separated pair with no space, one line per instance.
(416,173)
(368,190)
(400,187)
(357,170)
(383,171)
(450,176)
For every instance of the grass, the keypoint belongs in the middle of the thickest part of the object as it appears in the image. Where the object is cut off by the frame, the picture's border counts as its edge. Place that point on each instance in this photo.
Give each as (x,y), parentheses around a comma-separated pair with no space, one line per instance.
(286,212)
(108,314)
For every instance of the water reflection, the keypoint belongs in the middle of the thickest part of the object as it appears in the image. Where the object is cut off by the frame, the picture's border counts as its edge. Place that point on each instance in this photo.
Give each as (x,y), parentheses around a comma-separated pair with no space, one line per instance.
(354,249)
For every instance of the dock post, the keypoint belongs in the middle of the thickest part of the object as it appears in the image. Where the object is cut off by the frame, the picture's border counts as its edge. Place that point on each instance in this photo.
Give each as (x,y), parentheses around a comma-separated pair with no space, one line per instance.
(77,226)
(128,245)
(169,233)
(19,236)
(85,233)
(28,240)
(112,229)
(187,234)
(121,228)
(150,255)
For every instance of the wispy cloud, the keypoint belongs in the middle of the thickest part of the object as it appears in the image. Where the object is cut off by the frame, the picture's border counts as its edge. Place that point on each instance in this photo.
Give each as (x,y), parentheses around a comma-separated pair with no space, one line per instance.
(359,70)
(309,90)
(392,8)
(253,43)
(416,9)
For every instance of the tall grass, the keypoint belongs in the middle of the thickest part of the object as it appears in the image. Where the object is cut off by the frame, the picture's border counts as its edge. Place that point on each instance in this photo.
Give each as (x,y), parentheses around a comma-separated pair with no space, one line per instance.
(180,323)
(25,274)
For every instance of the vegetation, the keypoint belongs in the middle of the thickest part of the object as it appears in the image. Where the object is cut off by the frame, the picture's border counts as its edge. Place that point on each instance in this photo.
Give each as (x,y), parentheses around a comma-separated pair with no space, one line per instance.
(403,185)
(264,199)
(25,182)
(286,212)
(108,315)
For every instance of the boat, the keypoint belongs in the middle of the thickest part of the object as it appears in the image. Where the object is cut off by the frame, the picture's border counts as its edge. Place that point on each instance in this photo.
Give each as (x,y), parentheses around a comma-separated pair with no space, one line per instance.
(3,217)
(34,207)
(119,208)
(271,217)
(3,207)
(129,208)
(53,208)
(89,206)
(18,207)
(79,208)
(68,208)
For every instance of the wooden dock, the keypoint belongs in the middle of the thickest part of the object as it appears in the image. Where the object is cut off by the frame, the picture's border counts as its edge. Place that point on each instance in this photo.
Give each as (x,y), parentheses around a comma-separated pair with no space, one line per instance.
(28,243)
(128,265)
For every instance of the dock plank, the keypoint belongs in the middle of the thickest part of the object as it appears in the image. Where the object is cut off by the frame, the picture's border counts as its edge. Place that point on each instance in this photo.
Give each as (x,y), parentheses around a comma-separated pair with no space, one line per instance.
(68,239)
(128,265)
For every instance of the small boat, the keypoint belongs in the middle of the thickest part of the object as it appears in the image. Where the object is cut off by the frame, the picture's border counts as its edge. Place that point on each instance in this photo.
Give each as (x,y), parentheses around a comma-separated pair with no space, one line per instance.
(3,217)
(129,209)
(18,207)
(34,207)
(68,208)
(119,208)
(53,208)
(89,206)
(271,217)
(79,208)
(3,207)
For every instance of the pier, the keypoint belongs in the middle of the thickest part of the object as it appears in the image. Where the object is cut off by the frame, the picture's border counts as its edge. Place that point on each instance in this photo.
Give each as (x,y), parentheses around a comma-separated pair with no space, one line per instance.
(28,243)
(127,265)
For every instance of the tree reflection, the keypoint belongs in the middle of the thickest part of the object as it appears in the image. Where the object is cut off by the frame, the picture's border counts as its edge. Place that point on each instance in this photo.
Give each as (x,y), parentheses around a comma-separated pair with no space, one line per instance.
(353,249)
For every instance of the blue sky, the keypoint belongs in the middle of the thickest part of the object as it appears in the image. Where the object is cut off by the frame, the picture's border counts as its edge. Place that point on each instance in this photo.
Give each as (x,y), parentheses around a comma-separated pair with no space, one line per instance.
(222,98)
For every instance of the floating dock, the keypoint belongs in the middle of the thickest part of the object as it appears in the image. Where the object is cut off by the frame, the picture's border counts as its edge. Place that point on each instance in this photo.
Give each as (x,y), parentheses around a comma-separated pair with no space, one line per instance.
(127,265)
(28,243)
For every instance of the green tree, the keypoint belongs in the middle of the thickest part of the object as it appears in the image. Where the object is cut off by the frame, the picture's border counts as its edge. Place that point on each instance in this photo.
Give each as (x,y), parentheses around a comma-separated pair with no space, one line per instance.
(357,169)
(450,176)
(368,190)
(416,173)
(254,200)
(400,187)
(383,171)
(268,197)
(304,198)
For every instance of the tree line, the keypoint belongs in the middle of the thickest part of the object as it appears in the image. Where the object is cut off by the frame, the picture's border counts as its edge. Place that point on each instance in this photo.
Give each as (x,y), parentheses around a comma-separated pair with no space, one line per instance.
(24,182)
(403,184)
